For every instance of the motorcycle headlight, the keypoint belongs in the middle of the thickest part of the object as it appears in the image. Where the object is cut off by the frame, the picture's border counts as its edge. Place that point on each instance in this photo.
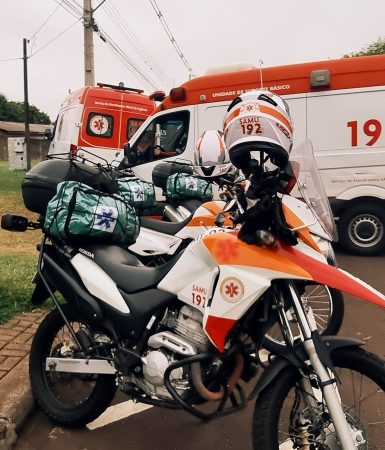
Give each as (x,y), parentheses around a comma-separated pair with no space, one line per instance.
(326,249)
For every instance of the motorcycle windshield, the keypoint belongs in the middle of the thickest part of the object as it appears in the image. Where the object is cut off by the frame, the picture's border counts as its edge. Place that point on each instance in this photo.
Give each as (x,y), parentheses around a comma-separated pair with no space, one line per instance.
(311,187)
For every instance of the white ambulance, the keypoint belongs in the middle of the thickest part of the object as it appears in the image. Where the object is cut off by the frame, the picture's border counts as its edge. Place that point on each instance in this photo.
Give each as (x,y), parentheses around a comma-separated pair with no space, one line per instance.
(338,104)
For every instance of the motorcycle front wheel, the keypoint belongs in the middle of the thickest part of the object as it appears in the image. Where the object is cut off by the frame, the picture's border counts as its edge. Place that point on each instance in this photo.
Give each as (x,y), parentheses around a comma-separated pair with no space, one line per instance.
(69,399)
(325,310)
(283,418)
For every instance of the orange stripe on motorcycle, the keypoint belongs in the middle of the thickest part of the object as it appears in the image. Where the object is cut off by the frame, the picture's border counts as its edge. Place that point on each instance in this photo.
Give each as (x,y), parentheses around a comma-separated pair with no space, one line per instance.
(294,221)
(213,207)
(331,276)
(227,249)
(202,221)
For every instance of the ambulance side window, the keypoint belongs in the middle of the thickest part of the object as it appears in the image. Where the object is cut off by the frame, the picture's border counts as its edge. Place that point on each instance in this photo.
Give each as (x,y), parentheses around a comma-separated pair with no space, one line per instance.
(133,126)
(165,136)
(100,125)
(59,124)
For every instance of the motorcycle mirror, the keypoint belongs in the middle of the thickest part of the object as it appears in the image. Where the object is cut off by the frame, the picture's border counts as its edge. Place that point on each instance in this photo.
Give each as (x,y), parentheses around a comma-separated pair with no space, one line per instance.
(11,222)
(229,205)
(129,155)
(220,219)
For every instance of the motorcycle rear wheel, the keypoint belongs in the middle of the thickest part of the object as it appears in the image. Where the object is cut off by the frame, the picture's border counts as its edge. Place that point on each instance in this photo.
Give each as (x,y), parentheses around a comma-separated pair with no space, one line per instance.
(282,419)
(69,399)
(325,307)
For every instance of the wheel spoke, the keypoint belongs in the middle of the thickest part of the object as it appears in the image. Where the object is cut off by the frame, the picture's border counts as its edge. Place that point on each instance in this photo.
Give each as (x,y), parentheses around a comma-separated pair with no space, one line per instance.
(300,423)
(71,399)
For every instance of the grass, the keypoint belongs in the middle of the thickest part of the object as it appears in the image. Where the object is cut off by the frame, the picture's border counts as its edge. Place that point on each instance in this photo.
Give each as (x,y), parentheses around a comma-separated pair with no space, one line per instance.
(18,253)
(16,285)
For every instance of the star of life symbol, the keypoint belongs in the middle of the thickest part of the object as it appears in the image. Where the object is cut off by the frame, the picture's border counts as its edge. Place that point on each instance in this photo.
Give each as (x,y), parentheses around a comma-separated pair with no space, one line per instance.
(137,193)
(232,289)
(105,218)
(99,125)
(249,107)
(192,183)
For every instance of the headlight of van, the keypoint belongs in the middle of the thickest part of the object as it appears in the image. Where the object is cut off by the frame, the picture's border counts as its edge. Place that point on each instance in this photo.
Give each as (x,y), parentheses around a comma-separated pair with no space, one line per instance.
(326,249)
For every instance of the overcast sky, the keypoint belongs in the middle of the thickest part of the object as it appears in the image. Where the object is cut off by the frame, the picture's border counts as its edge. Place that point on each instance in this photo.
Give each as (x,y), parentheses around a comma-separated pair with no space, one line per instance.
(209,33)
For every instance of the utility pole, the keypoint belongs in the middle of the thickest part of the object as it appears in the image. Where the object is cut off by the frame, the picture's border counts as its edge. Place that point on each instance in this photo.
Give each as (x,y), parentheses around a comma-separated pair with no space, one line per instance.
(89,71)
(26,105)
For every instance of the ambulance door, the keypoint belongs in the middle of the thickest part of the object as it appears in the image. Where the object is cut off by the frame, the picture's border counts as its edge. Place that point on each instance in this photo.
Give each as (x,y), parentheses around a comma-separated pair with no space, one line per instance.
(167,136)
(297,106)
(347,128)
(66,131)
(100,130)
(210,116)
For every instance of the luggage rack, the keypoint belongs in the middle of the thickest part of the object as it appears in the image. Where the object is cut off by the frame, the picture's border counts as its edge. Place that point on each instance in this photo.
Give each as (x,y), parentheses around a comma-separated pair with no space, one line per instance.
(121,87)
(102,164)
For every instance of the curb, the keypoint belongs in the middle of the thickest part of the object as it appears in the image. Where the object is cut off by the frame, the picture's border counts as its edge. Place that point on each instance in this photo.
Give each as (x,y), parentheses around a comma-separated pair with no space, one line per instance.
(16,403)
(16,399)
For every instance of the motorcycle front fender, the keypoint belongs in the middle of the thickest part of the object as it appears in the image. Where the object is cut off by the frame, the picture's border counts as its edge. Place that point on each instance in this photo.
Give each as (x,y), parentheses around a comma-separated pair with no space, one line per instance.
(296,357)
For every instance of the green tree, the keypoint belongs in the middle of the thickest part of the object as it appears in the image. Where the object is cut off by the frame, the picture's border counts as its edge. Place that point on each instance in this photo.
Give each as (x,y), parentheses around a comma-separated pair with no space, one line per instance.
(375,48)
(11,111)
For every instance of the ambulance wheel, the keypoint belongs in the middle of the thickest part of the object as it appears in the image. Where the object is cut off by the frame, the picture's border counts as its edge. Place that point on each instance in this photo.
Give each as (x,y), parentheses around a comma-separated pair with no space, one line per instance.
(361,229)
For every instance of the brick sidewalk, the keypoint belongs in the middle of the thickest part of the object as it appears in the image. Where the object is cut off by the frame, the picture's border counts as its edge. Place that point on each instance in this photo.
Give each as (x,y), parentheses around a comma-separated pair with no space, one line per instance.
(16,337)
(16,401)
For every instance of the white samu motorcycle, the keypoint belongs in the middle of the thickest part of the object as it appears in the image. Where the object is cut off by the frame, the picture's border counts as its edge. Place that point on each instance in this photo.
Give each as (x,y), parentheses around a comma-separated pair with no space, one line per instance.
(186,333)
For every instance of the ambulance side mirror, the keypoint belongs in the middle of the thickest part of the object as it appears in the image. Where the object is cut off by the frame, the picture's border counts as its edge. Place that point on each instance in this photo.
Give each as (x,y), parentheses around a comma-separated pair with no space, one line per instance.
(48,134)
(129,155)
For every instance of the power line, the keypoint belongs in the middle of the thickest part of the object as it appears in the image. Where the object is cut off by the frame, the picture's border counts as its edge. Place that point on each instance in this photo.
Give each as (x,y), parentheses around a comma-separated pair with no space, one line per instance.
(10,59)
(74,6)
(54,39)
(33,38)
(100,4)
(123,56)
(70,8)
(136,44)
(46,20)
(170,36)
(59,4)
(76,10)
(122,60)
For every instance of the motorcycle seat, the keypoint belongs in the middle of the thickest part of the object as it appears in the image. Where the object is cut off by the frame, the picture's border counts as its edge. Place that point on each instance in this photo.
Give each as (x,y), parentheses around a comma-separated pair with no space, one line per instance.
(129,274)
(170,228)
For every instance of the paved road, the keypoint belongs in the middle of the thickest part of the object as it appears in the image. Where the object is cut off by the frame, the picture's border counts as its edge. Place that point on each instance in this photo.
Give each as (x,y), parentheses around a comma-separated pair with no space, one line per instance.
(159,429)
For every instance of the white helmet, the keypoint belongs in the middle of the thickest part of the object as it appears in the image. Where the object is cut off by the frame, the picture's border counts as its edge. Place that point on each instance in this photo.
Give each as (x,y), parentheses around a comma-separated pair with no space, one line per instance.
(258,121)
(211,158)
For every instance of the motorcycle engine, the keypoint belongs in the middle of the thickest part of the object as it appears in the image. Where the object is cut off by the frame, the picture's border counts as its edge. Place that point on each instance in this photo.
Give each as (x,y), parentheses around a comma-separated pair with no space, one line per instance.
(185,338)
(189,325)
